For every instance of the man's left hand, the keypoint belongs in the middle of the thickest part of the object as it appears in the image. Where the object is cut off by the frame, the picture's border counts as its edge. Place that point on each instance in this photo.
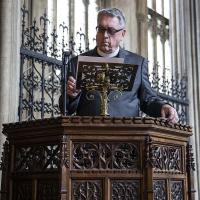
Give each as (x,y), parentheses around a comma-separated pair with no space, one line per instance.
(170,113)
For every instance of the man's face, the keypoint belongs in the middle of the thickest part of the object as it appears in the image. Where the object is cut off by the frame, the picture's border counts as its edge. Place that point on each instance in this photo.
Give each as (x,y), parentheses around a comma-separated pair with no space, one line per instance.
(109,34)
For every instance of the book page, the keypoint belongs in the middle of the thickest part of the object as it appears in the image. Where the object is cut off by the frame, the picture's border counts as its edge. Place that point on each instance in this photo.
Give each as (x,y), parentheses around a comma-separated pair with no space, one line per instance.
(100,59)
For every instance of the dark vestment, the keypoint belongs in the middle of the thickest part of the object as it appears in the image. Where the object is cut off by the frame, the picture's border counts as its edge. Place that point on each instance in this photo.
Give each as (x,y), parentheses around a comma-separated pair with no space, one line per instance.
(142,96)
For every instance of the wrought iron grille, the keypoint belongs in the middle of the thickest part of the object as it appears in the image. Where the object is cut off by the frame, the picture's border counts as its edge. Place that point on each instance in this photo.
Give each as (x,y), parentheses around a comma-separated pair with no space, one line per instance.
(42,72)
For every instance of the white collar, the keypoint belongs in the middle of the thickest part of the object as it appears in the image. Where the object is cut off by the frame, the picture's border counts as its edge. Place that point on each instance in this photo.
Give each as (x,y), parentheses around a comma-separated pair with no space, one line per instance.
(109,55)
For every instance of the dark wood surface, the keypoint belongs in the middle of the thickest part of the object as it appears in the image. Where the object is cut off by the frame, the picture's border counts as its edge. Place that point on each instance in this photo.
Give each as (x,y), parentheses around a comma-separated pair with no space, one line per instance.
(97,158)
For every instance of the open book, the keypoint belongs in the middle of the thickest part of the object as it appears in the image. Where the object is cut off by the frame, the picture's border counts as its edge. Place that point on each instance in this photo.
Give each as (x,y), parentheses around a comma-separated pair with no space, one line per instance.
(98,73)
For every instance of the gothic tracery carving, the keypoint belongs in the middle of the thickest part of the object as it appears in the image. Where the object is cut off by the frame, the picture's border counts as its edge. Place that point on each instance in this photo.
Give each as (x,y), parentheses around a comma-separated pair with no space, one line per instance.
(87,190)
(37,158)
(125,189)
(176,190)
(159,190)
(105,156)
(167,158)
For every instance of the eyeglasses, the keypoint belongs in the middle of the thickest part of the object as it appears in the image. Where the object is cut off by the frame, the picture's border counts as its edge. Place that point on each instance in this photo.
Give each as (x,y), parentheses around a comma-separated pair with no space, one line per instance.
(110,31)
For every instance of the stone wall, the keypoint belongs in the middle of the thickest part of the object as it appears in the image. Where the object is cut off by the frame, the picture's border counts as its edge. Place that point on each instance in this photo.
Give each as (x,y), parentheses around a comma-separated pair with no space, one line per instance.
(9,62)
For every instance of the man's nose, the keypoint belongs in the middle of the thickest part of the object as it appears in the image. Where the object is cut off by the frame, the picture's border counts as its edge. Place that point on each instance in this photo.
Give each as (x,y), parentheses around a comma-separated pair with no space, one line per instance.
(106,35)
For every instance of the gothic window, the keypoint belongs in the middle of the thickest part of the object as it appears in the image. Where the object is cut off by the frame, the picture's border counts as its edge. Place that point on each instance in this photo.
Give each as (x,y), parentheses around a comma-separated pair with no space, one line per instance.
(85,21)
(92,21)
(159,54)
(69,18)
(79,18)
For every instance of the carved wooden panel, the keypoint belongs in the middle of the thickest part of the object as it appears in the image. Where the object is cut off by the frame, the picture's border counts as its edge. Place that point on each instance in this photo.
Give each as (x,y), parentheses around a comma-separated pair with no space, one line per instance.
(87,190)
(159,190)
(22,190)
(4,166)
(37,158)
(106,155)
(167,159)
(48,190)
(97,158)
(177,190)
(125,190)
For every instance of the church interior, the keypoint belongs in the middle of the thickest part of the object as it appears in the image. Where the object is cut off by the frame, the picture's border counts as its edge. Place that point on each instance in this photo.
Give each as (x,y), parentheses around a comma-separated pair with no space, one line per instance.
(36,36)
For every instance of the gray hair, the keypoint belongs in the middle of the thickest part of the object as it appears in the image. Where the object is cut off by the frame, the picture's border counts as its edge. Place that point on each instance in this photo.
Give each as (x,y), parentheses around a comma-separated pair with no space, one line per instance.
(112,12)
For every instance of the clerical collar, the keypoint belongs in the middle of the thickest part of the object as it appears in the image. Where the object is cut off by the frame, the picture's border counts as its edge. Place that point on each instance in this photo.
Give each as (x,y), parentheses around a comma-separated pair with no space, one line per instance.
(108,55)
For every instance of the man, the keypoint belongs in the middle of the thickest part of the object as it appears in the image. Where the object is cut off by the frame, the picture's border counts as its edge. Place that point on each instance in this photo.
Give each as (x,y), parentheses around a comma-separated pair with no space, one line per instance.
(110,32)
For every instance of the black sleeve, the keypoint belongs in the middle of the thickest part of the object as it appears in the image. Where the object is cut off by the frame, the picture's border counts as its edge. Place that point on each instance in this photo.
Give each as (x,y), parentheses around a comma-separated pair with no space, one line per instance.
(150,103)
(71,103)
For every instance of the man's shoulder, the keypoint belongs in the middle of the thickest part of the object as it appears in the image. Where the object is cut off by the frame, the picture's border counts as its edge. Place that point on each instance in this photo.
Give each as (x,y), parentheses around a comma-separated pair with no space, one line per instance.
(87,53)
(132,57)
(135,55)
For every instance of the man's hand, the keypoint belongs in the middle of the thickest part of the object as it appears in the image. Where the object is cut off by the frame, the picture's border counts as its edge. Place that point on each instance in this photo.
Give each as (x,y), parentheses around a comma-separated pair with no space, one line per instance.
(71,87)
(170,113)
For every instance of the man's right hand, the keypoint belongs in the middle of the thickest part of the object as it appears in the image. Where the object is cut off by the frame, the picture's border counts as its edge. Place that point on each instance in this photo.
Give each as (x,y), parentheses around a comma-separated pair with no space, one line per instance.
(71,87)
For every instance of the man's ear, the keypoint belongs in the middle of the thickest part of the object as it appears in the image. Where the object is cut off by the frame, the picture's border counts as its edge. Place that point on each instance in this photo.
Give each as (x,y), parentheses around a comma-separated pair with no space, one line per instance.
(123,32)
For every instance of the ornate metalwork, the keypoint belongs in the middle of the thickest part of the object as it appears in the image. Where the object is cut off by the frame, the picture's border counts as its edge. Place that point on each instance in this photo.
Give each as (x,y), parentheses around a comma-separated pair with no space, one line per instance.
(118,77)
(177,190)
(106,77)
(106,156)
(87,190)
(82,37)
(48,190)
(37,158)
(64,29)
(40,85)
(126,190)
(167,158)
(173,91)
(41,68)
(22,190)
(159,25)
(159,190)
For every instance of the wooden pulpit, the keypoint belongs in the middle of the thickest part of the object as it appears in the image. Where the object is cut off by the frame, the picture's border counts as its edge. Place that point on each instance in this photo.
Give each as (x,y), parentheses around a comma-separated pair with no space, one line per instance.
(97,158)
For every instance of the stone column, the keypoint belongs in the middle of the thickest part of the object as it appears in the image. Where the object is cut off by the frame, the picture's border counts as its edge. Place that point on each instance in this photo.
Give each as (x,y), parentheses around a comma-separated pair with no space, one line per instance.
(193,70)
(180,35)
(186,59)
(9,62)
(142,27)
(185,44)
(38,8)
